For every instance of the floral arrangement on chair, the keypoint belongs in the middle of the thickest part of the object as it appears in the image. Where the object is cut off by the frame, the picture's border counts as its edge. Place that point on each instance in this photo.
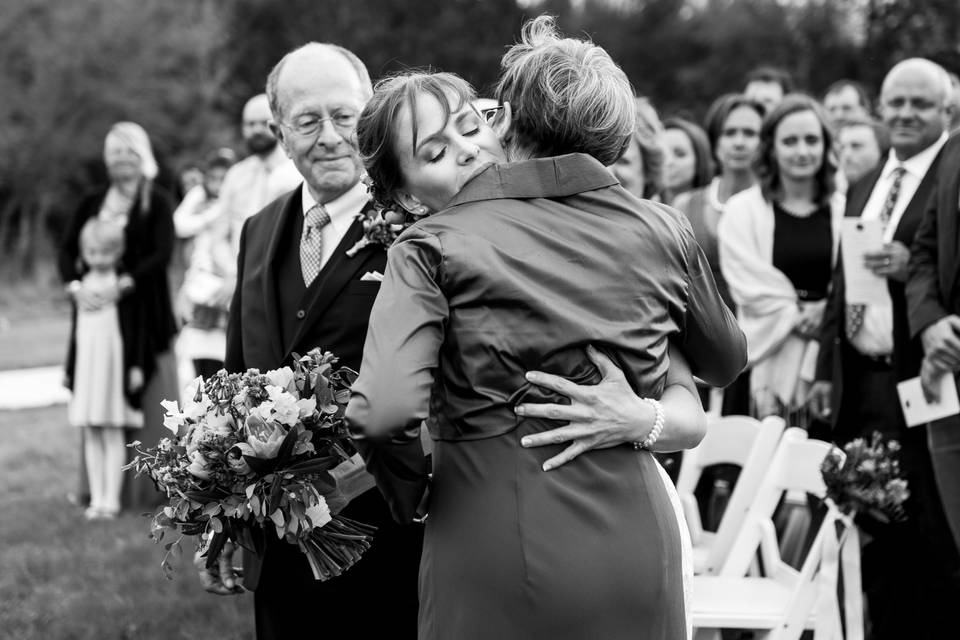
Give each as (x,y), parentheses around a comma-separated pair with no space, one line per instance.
(864,478)
(257,454)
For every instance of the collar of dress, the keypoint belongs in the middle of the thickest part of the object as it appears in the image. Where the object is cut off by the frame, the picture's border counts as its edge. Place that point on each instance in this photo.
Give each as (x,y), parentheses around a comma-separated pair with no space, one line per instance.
(555,177)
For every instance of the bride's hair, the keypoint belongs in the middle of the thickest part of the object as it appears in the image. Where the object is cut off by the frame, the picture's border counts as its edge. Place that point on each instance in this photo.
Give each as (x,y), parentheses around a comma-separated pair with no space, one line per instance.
(567,96)
(376,135)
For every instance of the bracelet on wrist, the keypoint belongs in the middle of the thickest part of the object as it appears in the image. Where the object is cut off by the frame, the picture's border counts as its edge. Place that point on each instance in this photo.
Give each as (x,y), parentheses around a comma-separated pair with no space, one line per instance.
(659,419)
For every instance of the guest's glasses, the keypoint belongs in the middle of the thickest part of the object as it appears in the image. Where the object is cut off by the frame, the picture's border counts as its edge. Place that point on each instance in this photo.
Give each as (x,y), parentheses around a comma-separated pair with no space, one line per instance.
(490,113)
(308,125)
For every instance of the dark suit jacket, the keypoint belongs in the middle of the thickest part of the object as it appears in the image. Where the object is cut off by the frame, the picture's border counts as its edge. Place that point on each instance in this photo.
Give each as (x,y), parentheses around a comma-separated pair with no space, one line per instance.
(333,315)
(833,338)
(934,259)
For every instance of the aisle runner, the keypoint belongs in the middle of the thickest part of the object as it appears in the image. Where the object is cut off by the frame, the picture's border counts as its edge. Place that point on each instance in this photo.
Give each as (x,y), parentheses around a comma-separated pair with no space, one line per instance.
(27,388)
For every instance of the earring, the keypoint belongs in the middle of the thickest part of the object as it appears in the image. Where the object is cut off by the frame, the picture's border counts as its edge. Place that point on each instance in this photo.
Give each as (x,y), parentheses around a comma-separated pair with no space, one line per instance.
(419,210)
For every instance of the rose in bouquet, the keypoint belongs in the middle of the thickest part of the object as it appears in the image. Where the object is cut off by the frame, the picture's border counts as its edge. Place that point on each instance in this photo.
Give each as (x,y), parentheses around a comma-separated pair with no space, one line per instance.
(864,478)
(252,455)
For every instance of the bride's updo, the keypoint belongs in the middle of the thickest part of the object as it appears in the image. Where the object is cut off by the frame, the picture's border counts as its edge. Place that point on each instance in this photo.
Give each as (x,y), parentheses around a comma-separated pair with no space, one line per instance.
(376,129)
(567,95)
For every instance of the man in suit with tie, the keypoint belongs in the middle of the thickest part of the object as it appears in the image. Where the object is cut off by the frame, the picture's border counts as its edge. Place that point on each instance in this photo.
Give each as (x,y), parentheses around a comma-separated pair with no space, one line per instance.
(866,349)
(933,299)
(297,289)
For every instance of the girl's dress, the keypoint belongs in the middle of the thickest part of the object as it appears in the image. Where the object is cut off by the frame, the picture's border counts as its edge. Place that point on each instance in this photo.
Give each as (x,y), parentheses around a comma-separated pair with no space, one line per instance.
(100,376)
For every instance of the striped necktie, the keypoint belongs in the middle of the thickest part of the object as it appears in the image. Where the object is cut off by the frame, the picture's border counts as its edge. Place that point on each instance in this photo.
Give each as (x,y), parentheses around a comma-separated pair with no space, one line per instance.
(311,242)
(855,312)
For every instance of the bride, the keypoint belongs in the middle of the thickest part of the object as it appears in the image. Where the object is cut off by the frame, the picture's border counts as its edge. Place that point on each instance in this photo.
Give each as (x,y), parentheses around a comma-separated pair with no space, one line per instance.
(526,265)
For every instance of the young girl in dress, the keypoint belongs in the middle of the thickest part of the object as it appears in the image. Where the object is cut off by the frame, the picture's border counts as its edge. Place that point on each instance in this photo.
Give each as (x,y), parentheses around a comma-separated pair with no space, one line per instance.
(105,373)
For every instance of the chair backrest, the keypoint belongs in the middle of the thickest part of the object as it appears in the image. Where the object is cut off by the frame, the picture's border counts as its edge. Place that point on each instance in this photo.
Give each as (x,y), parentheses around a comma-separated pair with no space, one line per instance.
(729,440)
(744,492)
(795,466)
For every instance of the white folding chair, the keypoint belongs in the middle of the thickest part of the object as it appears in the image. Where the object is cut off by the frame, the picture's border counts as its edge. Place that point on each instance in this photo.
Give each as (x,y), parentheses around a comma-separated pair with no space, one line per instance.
(740,440)
(785,601)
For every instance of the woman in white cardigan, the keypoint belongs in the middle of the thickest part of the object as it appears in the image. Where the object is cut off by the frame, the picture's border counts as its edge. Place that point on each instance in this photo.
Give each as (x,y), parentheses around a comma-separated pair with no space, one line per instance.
(777,243)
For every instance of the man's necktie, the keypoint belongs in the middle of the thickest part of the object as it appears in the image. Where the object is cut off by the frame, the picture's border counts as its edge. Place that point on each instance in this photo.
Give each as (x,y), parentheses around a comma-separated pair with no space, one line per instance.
(311,242)
(854,315)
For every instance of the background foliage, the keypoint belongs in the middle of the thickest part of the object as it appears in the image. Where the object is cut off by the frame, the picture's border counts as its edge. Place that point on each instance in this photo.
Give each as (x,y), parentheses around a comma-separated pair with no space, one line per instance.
(183,69)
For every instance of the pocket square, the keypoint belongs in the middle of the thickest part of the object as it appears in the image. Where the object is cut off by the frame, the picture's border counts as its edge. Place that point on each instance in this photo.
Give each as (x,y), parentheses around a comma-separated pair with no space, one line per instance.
(372,276)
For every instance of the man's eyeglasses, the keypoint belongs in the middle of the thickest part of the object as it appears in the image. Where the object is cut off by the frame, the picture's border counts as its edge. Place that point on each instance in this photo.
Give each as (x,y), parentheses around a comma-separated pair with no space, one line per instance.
(490,113)
(343,121)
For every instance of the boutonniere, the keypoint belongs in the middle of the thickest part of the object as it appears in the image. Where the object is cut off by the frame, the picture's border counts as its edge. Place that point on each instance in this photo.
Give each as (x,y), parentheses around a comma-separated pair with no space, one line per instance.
(376,230)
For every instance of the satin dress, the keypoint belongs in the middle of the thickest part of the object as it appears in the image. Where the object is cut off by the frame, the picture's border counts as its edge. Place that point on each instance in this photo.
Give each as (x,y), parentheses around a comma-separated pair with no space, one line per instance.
(532,262)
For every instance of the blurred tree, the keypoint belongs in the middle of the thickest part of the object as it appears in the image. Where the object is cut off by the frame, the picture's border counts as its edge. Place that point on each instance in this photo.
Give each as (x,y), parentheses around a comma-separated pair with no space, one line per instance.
(70,69)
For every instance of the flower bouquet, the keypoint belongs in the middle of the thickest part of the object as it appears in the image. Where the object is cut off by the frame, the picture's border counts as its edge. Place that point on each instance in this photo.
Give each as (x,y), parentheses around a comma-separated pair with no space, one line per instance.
(864,478)
(257,454)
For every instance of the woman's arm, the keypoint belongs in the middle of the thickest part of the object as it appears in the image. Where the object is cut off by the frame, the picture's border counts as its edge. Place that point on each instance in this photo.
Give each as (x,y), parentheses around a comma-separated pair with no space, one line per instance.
(391,398)
(610,413)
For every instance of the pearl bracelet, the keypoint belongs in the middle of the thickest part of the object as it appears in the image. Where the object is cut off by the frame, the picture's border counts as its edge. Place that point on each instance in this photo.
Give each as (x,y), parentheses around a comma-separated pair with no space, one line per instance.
(647,443)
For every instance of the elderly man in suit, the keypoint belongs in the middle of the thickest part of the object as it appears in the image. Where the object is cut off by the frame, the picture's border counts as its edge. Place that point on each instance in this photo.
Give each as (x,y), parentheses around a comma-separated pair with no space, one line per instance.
(866,350)
(933,300)
(297,289)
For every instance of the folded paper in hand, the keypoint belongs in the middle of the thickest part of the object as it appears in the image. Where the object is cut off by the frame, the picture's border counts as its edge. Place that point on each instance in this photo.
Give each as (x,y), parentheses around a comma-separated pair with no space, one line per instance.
(916,409)
(352,477)
(372,276)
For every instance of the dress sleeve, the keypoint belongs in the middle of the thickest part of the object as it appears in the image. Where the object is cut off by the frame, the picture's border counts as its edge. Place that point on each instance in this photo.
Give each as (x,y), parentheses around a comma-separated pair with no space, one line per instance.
(391,398)
(712,340)
(924,306)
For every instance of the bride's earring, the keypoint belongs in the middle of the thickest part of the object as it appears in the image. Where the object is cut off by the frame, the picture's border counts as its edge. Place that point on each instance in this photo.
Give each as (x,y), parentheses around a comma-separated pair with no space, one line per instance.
(412,205)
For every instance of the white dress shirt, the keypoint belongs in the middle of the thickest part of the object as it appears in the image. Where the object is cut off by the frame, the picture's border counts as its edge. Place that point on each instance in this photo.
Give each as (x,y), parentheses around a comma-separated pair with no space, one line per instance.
(875,337)
(342,212)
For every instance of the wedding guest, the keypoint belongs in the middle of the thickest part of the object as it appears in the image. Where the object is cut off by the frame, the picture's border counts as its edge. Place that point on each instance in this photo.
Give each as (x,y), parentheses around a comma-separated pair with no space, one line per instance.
(866,350)
(687,163)
(479,578)
(768,86)
(297,289)
(733,128)
(105,376)
(777,244)
(132,202)
(208,283)
(640,168)
(261,177)
(861,143)
(846,100)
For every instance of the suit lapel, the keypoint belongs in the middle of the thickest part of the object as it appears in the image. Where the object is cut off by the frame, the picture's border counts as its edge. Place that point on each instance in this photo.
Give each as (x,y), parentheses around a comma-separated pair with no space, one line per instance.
(860,193)
(336,273)
(271,303)
(947,211)
(907,226)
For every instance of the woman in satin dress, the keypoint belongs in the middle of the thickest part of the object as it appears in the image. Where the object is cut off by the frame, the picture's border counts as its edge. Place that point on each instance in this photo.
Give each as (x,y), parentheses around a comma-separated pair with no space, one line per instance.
(527,265)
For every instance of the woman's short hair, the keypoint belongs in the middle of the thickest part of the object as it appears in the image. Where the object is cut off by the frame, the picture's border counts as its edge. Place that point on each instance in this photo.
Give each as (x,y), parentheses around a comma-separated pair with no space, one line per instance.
(703,160)
(567,96)
(765,166)
(376,129)
(99,233)
(716,118)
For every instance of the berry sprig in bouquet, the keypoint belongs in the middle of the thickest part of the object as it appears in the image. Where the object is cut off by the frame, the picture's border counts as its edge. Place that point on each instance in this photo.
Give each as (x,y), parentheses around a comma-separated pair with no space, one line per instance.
(864,478)
(256,454)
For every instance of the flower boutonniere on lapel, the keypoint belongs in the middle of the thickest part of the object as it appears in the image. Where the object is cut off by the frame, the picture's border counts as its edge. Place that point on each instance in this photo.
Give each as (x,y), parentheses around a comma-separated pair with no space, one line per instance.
(377,230)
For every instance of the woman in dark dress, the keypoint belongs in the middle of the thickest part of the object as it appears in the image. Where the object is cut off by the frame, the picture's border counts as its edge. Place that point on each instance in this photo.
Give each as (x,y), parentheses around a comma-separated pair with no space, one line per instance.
(143,295)
(527,265)
(778,242)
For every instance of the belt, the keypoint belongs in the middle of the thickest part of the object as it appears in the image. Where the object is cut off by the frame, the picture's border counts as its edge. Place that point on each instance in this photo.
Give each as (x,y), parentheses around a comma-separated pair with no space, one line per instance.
(875,362)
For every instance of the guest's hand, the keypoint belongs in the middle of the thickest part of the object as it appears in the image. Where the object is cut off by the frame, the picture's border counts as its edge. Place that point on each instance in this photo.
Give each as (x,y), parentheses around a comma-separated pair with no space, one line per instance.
(87,300)
(930,375)
(818,399)
(890,262)
(811,316)
(941,343)
(603,415)
(136,379)
(223,578)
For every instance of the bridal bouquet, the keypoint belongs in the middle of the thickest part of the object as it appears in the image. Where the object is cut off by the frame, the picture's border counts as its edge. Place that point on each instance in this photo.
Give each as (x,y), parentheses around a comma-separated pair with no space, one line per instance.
(257,454)
(865,478)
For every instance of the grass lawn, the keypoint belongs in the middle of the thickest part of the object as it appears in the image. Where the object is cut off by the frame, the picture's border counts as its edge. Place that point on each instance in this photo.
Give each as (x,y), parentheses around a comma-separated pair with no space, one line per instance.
(62,578)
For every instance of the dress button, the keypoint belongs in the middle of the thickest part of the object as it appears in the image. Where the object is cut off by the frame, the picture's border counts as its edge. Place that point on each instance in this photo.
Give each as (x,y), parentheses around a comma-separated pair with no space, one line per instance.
(301,314)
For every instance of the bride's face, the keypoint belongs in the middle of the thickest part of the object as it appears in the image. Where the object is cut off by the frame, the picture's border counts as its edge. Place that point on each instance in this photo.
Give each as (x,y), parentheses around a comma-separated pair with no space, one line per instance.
(448,151)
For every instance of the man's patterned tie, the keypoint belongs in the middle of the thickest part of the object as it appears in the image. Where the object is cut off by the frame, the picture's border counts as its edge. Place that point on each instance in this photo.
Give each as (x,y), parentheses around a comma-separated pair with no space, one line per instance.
(311,242)
(854,319)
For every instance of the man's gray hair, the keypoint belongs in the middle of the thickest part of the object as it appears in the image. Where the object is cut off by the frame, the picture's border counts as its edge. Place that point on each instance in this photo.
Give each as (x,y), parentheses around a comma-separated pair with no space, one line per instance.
(567,96)
(366,87)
